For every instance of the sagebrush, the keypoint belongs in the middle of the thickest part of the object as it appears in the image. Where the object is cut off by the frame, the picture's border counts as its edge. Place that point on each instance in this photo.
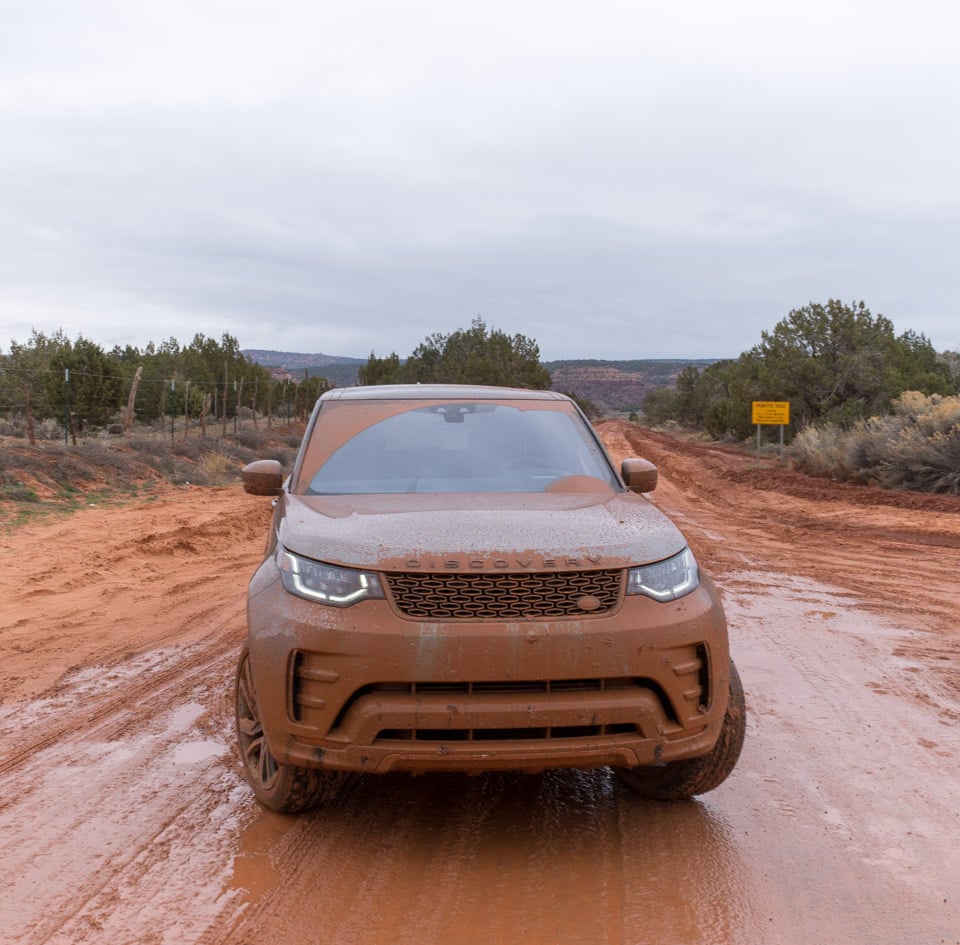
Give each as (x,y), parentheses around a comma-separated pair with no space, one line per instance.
(916,446)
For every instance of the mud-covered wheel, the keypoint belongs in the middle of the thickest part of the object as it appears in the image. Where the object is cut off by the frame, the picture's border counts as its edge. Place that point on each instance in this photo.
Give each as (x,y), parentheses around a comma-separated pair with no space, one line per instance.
(682,779)
(283,788)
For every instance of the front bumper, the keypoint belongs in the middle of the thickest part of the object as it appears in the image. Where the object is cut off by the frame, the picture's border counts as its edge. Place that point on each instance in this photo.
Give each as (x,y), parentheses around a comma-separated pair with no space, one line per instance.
(363,689)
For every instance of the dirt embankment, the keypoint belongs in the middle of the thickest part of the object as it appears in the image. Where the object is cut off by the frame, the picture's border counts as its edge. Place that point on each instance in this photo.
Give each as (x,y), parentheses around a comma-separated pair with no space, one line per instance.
(125,819)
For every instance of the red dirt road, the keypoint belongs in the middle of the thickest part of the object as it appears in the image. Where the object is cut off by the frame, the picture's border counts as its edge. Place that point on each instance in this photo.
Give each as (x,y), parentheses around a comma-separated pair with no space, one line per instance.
(124,817)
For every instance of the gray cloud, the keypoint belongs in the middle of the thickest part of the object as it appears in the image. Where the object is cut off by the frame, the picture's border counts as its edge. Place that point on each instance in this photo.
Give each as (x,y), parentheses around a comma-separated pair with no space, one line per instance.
(618,181)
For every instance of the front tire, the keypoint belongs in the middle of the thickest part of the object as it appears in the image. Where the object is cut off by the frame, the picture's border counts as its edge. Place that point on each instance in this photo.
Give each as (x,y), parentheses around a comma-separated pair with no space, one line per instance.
(682,779)
(285,789)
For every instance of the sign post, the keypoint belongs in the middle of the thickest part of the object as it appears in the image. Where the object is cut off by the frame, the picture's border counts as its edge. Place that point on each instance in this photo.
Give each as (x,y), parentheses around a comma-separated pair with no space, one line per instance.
(771,412)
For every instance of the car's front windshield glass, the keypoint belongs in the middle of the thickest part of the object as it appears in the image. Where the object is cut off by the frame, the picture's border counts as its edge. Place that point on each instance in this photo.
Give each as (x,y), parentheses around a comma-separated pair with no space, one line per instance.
(461,446)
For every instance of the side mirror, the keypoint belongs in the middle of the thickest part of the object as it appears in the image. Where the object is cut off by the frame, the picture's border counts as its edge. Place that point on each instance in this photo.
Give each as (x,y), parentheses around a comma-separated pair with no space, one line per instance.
(263,477)
(639,475)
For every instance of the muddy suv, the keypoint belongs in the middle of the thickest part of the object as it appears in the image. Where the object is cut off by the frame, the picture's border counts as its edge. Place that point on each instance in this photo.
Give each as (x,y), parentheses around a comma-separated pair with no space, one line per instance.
(457,579)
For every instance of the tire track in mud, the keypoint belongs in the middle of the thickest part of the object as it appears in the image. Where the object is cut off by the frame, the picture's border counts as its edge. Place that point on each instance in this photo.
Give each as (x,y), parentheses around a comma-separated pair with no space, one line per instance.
(120,856)
(119,776)
(841,777)
(92,713)
(87,914)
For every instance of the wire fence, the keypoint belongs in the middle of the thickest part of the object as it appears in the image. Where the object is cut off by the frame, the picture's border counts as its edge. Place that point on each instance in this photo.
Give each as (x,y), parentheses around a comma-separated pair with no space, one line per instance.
(37,404)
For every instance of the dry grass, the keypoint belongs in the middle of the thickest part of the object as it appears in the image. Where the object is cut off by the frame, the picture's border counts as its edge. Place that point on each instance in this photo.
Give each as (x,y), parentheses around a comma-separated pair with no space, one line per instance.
(916,447)
(215,468)
(55,477)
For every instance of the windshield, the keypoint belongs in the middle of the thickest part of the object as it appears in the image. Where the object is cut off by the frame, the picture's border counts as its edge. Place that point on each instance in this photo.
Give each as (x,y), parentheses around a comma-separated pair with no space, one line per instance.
(458,446)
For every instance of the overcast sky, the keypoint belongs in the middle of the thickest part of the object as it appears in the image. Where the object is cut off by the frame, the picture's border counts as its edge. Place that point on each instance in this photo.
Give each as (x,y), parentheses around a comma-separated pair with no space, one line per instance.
(613,179)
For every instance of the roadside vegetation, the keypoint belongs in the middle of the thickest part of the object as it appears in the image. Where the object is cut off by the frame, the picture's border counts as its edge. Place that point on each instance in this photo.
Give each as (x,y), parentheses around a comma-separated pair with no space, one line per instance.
(835,363)
(81,426)
(75,387)
(51,477)
(866,404)
(916,446)
(474,355)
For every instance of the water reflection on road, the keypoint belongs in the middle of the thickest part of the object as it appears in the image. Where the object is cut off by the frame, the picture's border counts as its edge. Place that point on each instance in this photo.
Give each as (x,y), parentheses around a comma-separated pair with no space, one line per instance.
(838,827)
(565,856)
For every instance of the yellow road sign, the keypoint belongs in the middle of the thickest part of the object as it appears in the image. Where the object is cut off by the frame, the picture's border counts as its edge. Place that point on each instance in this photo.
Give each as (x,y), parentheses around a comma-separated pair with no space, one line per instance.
(771,411)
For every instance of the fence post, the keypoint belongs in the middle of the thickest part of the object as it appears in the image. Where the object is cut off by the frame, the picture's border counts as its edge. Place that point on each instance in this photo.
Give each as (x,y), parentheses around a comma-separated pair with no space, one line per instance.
(66,396)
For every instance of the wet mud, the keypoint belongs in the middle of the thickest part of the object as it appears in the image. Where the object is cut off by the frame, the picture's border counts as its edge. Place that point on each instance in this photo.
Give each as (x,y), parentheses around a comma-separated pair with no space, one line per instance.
(125,819)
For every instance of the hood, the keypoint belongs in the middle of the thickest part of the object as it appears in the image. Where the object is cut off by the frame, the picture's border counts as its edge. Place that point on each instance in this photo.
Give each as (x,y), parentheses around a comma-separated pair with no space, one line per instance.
(503,532)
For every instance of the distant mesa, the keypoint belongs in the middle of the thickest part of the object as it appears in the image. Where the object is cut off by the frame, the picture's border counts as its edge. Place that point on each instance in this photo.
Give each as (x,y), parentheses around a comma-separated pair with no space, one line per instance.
(294,361)
(294,366)
(618,385)
(611,385)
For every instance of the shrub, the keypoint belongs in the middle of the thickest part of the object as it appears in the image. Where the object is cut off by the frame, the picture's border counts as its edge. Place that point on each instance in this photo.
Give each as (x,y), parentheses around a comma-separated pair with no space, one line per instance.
(214,468)
(28,461)
(150,445)
(98,454)
(17,492)
(190,448)
(251,438)
(917,447)
(821,451)
(282,454)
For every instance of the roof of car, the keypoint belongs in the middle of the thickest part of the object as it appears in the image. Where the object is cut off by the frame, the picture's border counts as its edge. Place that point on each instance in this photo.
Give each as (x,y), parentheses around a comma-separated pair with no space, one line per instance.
(438,392)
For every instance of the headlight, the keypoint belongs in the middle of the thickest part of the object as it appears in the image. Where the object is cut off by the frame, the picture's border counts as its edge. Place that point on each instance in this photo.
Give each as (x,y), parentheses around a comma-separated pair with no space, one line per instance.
(666,580)
(326,583)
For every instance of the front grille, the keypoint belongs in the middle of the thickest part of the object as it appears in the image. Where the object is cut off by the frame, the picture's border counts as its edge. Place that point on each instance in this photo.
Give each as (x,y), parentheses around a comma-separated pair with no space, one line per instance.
(499,596)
